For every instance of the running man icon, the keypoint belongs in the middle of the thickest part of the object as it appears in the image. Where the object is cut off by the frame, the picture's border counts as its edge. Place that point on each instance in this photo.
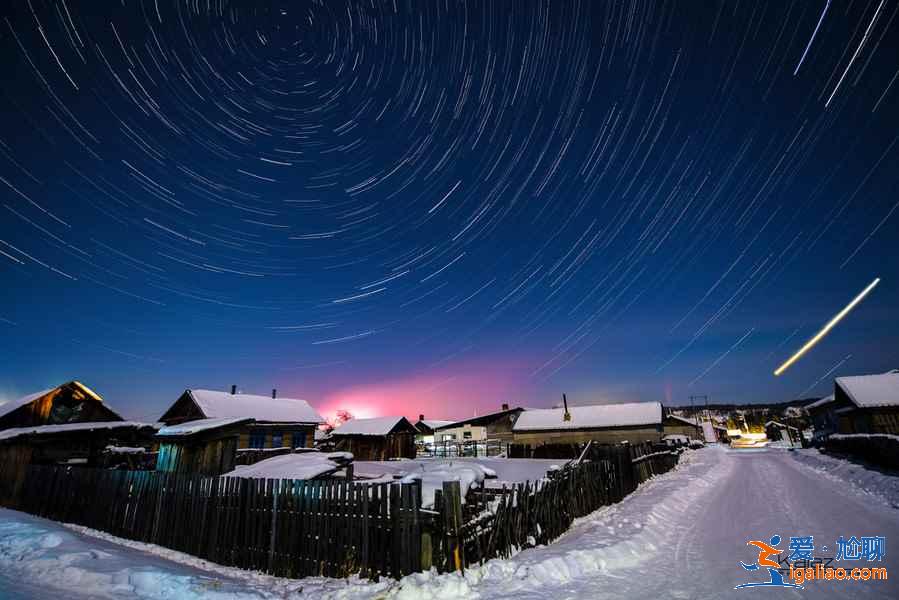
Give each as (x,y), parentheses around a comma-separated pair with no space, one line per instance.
(766,551)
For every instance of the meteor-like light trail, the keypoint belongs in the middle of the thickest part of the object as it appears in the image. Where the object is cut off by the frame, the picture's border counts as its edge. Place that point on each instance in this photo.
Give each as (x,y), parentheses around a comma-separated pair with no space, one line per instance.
(826,329)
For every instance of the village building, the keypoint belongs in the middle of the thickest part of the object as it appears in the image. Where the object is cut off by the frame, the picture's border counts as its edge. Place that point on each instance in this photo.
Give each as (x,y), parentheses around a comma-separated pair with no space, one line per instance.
(200,447)
(862,404)
(378,438)
(634,422)
(824,420)
(676,425)
(426,429)
(271,422)
(81,444)
(495,426)
(71,402)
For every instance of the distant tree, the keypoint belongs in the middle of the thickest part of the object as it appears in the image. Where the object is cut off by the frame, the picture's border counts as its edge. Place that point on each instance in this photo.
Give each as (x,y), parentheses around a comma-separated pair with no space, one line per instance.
(340,417)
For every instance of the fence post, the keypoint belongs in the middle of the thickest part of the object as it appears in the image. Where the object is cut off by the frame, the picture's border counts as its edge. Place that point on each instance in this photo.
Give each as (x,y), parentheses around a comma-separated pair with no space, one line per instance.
(452,514)
(276,488)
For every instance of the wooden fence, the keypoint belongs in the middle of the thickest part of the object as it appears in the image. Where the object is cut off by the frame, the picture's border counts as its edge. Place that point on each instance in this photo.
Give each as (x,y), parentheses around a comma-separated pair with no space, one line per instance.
(333,528)
(877,449)
(288,528)
(502,522)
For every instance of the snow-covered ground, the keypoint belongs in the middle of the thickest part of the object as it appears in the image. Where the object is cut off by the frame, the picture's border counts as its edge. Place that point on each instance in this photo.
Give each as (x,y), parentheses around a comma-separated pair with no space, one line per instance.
(869,481)
(507,471)
(681,535)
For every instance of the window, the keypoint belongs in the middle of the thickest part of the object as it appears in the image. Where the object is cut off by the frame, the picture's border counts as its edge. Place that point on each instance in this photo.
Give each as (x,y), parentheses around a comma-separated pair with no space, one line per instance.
(299,439)
(257,439)
(466,435)
(278,439)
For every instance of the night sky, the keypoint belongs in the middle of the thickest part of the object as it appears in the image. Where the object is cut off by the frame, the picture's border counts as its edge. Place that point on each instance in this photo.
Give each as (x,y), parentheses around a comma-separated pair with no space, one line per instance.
(436,207)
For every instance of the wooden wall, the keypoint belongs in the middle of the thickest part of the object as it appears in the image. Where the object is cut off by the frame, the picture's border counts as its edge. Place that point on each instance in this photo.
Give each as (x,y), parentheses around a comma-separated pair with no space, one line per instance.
(634,435)
(376,447)
(211,457)
(288,432)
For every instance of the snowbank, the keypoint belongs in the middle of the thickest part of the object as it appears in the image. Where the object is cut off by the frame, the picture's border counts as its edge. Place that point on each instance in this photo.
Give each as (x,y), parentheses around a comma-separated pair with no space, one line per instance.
(870,482)
(37,556)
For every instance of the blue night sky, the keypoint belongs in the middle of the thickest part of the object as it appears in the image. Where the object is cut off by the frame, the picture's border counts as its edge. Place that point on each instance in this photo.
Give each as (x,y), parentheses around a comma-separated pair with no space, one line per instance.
(429,207)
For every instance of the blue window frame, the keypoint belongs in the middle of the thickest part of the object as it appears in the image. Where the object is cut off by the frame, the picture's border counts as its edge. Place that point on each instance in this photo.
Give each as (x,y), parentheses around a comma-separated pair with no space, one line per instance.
(278,439)
(257,439)
(299,439)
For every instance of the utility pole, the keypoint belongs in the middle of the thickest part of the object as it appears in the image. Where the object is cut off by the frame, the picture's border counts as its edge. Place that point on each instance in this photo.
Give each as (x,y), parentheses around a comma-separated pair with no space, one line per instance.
(692,407)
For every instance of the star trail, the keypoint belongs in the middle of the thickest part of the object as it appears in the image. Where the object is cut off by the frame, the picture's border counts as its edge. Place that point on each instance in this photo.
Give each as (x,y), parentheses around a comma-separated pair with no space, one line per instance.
(440,206)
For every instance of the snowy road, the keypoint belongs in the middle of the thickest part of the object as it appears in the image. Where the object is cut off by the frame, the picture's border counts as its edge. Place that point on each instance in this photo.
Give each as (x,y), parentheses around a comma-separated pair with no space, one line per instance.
(680,536)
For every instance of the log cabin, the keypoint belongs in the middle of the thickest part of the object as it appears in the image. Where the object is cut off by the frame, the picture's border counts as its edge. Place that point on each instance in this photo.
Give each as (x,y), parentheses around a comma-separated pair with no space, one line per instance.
(274,422)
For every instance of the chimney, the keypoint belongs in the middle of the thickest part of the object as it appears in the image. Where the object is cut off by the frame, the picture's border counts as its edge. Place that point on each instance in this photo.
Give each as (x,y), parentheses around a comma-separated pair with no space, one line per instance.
(233,389)
(274,393)
(505,406)
(566,416)
(421,417)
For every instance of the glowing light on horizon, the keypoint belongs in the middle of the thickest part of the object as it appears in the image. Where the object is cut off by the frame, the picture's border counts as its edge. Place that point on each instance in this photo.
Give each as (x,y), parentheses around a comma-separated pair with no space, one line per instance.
(826,329)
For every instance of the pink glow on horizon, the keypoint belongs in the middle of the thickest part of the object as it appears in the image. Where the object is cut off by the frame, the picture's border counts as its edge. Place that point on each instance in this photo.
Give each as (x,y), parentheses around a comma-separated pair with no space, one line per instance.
(449,396)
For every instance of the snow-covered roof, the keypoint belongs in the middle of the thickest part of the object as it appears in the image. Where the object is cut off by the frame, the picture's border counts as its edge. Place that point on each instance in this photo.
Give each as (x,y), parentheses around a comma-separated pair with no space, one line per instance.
(872,391)
(8,407)
(217,405)
(201,425)
(434,424)
(373,426)
(779,424)
(305,465)
(484,419)
(8,434)
(821,402)
(591,417)
(684,420)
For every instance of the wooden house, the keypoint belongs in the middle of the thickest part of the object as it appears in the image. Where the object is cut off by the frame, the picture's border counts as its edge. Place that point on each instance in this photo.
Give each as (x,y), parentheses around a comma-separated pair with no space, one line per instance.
(201,447)
(379,438)
(71,402)
(677,425)
(865,404)
(495,426)
(271,422)
(606,424)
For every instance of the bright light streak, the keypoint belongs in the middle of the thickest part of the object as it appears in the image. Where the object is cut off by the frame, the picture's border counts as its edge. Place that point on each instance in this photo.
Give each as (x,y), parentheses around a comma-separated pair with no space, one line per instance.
(826,329)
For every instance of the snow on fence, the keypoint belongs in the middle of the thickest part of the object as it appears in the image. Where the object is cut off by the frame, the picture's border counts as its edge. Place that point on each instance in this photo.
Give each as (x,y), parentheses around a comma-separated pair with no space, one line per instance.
(536,513)
(334,528)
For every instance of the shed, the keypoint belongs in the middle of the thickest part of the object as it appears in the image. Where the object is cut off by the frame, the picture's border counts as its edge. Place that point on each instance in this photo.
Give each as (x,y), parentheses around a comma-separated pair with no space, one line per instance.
(633,422)
(379,438)
(271,421)
(202,447)
(71,402)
